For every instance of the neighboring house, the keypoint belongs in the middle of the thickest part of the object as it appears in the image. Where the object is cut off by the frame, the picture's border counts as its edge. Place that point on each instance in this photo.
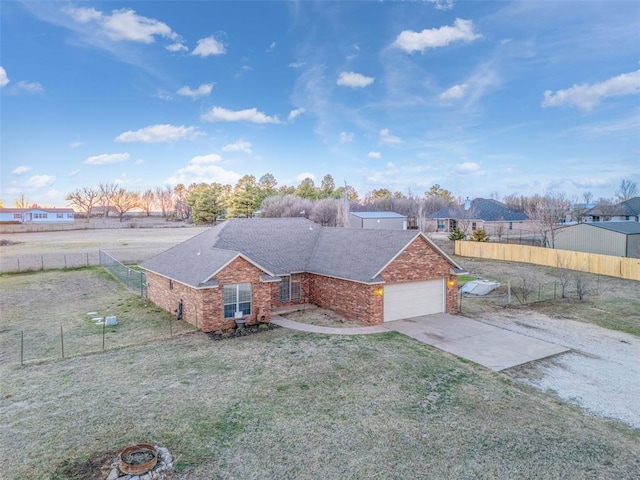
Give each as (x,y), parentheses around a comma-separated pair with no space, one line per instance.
(621,239)
(37,215)
(378,220)
(253,267)
(481,213)
(627,211)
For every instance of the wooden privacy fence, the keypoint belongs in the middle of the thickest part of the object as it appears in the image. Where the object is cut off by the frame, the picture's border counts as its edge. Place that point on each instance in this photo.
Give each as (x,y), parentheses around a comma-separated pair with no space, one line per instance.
(621,267)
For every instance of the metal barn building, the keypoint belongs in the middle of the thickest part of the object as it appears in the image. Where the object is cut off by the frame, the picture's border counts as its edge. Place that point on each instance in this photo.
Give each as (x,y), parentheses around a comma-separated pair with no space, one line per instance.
(620,239)
(378,220)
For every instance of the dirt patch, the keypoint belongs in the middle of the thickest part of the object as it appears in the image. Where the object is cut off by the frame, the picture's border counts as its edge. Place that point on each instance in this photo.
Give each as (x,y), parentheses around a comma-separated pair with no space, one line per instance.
(96,467)
(322,317)
(7,243)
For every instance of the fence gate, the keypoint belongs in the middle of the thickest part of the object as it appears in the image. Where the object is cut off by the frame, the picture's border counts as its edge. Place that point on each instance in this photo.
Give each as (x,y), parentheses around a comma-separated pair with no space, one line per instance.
(134,280)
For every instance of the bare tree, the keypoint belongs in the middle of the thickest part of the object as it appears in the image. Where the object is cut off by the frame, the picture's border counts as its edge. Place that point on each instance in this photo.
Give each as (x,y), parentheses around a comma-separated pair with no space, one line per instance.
(147,200)
(164,199)
(124,201)
(547,213)
(107,192)
(606,207)
(582,285)
(587,197)
(628,189)
(84,199)
(22,201)
(325,212)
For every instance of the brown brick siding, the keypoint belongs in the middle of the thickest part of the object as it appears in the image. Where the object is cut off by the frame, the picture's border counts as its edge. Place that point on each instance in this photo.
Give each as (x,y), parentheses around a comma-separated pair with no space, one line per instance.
(203,308)
(356,301)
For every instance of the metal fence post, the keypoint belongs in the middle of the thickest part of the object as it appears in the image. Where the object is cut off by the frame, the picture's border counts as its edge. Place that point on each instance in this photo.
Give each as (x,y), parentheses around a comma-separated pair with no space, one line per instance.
(62,341)
(21,348)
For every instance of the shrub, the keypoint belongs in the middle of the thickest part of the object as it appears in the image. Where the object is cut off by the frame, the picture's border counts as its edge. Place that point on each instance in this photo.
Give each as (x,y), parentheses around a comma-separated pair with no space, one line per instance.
(457,234)
(479,235)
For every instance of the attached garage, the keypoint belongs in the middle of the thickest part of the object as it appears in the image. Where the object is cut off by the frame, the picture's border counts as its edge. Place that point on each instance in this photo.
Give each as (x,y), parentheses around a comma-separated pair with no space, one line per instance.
(414,299)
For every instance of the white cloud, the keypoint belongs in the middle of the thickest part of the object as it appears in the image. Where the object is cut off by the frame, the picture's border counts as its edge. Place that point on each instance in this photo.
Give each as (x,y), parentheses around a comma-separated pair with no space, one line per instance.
(239,146)
(354,80)
(138,162)
(461,31)
(442,4)
(297,64)
(107,158)
(176,47)
(39,181)
(20,170)
(585,97)
(75,145)
(467,167)
(455,92)
(202,169)
(219,114)
(4,79)
(29,87)
(209,46)
(161,133)
(123,24)
(386,137)
(271,47)
(83,15)
(163,95)
(346,137)
(301,176)
(293,114)
(374,155)
(203,90)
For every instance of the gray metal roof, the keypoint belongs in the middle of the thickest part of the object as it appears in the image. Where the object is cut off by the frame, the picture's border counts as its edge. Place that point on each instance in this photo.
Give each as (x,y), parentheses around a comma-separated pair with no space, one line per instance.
(628,228)
(628,207)
(281,246)
(378,215)
(485,209)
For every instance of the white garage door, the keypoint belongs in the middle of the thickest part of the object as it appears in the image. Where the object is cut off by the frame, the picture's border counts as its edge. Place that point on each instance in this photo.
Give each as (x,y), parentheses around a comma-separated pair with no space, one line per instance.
(406,300)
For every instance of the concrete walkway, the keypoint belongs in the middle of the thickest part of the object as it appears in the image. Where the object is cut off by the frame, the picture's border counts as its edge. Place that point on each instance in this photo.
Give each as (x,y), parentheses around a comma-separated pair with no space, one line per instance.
(490,346)
(305,327)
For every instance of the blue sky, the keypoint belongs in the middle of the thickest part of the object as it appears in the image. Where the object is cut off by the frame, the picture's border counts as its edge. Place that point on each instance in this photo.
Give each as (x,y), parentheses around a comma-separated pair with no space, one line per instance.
(479,97)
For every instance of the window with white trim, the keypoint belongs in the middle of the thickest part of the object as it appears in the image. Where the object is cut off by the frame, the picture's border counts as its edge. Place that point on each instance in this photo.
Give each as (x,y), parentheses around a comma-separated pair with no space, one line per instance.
(291,287)
(236,298)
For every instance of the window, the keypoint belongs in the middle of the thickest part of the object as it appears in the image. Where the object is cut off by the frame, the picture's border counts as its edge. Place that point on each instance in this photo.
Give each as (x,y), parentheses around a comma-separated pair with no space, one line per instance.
(170,284)
(59,215)
(510,225)
(17,215)
(39,215)
(290,287)
(236,298)
(473,225)
(440,224)
(69,215)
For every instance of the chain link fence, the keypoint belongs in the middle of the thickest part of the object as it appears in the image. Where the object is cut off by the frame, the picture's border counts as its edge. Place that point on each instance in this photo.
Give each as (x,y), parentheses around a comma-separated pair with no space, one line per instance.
(134,279)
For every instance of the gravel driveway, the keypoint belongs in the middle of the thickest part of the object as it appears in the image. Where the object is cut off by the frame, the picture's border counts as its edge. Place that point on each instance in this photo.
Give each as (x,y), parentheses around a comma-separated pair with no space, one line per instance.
(601,374)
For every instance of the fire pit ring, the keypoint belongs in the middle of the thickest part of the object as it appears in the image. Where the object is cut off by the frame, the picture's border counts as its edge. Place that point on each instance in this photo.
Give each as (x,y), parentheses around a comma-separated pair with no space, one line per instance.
(137,459)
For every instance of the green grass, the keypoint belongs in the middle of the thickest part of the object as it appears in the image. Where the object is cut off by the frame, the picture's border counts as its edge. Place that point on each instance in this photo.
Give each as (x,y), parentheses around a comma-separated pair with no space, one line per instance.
(290,405)
(462,279)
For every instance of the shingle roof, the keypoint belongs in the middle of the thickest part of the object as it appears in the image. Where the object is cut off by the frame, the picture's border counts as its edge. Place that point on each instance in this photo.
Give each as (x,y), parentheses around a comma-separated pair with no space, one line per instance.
(378,215)
(628,207)
(485,209)
(281,246)
(628,228)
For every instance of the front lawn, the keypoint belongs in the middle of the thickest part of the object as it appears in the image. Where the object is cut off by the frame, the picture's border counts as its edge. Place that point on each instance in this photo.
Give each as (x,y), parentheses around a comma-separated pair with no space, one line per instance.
(283,404)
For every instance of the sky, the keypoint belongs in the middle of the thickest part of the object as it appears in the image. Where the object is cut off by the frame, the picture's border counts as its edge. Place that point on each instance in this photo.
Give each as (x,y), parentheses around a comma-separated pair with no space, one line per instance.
(480,97)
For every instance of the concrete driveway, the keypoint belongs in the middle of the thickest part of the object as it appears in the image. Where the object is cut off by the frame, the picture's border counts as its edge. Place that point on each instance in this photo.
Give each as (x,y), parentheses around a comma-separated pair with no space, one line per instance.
(479,342)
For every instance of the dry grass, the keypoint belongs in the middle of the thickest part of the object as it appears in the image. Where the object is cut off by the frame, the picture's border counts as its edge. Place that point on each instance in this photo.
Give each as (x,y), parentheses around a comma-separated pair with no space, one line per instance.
(289,405)
(39,304)
(610,302)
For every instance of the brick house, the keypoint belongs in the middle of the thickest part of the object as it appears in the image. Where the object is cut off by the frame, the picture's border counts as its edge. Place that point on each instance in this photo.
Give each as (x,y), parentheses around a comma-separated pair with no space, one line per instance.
(252,268)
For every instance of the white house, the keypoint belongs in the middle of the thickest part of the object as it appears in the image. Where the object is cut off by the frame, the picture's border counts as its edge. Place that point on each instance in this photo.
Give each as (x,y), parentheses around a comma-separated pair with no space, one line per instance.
(37,215)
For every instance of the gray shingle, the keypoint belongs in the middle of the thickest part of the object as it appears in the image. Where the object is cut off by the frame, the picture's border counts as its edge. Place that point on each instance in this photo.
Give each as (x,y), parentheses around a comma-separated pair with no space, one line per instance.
(282,246)
(485,209)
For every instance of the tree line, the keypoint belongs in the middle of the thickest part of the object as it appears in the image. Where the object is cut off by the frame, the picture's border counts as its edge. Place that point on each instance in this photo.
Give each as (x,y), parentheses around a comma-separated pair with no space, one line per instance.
(326,203)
